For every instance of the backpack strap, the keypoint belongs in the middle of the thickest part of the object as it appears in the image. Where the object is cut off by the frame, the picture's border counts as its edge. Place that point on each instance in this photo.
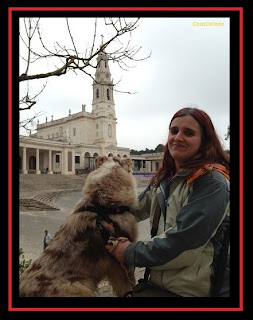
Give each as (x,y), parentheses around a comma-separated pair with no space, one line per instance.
(207,167)
(155,221)
(218,280)
(153,232)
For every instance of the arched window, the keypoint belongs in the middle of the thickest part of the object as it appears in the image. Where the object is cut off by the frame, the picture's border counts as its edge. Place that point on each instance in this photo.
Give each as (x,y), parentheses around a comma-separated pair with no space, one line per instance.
(32,163)
(87,163)
(108,94)
(97,93)
(105,64)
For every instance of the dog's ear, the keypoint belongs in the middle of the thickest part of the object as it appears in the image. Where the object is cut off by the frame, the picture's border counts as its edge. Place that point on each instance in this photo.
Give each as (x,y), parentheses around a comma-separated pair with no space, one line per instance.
(99,160)
(127,164)
(116,159)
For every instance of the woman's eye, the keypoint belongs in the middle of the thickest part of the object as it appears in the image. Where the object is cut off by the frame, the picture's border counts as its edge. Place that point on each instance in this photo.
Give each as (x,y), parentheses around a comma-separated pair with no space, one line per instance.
(189,133)
(173,131)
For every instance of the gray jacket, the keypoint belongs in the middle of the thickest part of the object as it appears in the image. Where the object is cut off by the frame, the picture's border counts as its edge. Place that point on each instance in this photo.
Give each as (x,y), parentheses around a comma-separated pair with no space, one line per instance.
(184,255)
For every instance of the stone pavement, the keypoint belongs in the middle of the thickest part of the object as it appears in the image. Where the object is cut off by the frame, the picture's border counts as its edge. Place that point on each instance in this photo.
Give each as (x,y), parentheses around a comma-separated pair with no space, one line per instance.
(33,223)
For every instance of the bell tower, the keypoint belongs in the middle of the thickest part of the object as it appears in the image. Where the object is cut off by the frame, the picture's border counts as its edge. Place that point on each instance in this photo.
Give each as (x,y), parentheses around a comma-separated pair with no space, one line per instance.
(103,106)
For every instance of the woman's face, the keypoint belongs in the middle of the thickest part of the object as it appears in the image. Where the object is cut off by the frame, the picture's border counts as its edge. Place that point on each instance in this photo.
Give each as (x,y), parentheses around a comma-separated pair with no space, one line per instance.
(184,139)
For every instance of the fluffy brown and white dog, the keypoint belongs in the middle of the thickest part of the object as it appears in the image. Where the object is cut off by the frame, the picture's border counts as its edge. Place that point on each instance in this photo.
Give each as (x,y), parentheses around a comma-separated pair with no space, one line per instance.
(76,260)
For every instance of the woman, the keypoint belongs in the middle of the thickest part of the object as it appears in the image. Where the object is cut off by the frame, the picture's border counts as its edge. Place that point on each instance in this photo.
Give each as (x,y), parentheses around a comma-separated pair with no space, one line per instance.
(188,202)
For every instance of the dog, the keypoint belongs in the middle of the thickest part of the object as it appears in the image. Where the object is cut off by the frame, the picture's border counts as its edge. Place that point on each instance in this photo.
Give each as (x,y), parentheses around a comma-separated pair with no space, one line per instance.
(76,260)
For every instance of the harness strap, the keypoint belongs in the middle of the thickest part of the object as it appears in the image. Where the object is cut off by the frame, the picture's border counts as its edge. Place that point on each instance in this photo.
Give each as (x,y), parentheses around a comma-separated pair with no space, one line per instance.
(105,211)
(103,215)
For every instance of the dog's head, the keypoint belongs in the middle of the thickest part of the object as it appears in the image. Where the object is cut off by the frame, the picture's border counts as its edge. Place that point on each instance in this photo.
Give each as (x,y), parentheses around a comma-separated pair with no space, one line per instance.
(111,183)
(125,163)
(100,160)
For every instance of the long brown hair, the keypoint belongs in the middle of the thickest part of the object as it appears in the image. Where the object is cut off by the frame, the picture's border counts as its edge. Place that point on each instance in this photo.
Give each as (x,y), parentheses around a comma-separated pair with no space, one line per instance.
(211,150)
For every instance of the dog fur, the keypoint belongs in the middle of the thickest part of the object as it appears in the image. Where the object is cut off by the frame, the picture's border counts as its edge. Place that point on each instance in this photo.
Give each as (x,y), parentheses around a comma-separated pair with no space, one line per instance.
(76,260)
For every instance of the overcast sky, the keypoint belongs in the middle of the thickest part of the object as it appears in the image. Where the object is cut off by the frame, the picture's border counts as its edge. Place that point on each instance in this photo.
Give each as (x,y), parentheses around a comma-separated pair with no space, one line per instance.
(189,64)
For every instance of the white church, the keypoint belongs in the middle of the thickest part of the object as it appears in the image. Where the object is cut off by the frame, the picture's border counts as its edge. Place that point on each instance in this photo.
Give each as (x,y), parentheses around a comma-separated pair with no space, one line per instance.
(69,145)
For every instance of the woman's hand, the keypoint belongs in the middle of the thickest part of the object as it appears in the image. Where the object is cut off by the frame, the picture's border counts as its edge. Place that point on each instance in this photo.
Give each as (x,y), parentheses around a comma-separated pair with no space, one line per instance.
(117,247)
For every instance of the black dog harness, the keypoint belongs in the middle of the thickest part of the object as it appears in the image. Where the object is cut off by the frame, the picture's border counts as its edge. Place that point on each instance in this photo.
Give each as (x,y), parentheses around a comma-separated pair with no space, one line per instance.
(103,215)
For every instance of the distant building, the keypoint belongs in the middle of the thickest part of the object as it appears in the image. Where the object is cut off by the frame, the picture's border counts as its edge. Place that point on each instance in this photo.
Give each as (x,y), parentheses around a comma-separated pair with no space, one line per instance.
(69,145)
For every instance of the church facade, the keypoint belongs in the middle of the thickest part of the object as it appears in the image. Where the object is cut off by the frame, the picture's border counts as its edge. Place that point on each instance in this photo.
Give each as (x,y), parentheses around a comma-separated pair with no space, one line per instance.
(69,145)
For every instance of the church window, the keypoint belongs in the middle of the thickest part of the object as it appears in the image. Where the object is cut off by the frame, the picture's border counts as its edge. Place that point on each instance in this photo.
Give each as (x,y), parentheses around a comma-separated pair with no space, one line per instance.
(109,130)
(32,163)
(105,64)
(97,126)
(57,158)
(97,93)
(74,132)
(77,159)
(108,94)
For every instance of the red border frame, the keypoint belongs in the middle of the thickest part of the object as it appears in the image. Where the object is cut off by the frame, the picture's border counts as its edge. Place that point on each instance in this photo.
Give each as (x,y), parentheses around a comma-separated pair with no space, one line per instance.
(10,11)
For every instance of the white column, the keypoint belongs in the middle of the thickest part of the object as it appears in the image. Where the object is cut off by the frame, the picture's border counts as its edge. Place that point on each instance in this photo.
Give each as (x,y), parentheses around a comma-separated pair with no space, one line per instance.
(50,162)
(24,161)
(152,166)
(82,164)
(64,161)
(148,166)
(37,161)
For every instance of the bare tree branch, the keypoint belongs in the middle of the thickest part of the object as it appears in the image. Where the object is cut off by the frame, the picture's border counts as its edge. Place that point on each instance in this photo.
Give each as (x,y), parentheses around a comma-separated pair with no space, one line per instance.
(64,58)
(73,60)
(30,101)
